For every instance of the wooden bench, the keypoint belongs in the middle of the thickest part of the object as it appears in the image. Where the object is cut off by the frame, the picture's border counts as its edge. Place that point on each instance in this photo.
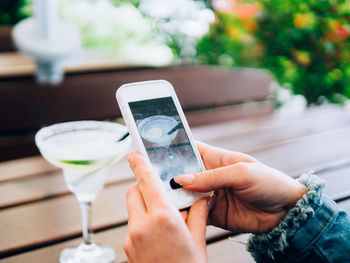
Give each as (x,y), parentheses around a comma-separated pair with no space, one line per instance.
(26,106)
(39,216)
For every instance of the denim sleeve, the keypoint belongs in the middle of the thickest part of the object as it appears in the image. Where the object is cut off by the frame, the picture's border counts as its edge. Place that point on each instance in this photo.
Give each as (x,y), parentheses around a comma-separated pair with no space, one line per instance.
(315,230)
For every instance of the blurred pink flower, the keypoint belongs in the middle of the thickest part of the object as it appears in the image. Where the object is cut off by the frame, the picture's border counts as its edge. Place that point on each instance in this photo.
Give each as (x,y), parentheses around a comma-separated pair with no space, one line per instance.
(236,7)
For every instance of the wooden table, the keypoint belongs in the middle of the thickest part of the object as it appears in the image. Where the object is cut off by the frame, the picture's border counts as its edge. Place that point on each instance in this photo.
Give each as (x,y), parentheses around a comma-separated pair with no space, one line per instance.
(39,216)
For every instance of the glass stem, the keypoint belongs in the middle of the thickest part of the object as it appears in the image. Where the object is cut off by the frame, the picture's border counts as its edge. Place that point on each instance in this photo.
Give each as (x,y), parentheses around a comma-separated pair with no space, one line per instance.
(88,235)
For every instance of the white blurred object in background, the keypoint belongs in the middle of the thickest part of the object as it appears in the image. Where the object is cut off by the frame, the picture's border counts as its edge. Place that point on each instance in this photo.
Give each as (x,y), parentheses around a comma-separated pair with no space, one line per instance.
(47,39)
(186,20)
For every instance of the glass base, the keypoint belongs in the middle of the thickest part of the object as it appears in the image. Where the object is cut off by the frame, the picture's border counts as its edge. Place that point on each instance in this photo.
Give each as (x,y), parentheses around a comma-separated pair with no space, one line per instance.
(88,254)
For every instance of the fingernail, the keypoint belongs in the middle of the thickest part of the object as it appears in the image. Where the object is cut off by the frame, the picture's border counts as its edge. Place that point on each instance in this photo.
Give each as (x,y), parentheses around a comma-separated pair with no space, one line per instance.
(184,179)
(211,201)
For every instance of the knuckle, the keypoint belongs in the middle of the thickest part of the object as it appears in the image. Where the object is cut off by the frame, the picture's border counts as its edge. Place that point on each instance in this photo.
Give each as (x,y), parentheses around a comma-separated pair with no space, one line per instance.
(137,234)
(130,191)
(163,218)
(243,167)
(142,182)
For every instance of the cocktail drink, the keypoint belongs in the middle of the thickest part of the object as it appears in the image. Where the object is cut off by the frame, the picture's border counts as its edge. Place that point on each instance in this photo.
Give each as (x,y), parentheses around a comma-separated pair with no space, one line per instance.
(84,150)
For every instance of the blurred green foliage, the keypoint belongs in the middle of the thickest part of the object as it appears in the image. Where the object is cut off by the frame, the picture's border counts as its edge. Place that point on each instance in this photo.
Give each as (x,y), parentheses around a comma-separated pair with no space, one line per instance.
(120,2)
(12,11)
(304,43)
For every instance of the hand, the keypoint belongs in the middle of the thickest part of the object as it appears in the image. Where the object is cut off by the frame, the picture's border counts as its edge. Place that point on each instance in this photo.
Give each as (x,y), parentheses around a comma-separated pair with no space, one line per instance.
(157,232)
(250,197)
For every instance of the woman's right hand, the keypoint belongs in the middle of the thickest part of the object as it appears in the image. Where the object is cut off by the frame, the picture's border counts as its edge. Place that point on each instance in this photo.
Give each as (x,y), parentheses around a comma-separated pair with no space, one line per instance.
(249,196)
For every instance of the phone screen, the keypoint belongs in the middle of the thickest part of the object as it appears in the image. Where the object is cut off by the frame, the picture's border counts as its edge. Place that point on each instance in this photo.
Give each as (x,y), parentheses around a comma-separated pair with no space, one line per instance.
(165,139)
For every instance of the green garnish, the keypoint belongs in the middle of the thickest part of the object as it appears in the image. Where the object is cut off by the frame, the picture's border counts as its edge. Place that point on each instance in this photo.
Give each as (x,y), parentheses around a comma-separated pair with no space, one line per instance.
(77,162)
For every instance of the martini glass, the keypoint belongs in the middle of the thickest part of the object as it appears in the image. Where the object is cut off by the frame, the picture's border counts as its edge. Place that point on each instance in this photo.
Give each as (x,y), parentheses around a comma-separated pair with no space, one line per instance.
(84,150)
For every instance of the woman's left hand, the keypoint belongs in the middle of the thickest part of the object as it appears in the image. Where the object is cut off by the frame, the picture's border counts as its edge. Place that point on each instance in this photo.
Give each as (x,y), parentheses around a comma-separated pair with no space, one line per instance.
(157,231)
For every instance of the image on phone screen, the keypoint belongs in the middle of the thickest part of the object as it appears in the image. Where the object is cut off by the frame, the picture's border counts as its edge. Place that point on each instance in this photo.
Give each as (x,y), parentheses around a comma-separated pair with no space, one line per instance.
(165,139)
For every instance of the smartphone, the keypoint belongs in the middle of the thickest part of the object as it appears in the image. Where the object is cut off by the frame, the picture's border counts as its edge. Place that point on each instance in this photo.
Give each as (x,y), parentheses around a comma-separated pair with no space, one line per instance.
(160,132)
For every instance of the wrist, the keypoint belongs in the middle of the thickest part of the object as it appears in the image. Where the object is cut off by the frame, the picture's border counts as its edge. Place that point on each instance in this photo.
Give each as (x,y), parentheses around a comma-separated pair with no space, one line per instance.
(300,191)
(267,246)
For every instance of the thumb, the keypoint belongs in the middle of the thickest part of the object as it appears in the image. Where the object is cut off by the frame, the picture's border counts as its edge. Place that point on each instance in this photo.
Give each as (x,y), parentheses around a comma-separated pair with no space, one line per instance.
(235,176)
(197,222)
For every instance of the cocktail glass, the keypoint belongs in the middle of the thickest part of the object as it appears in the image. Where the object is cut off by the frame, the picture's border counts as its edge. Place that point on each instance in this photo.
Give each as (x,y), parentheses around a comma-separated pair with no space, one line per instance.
(84,150)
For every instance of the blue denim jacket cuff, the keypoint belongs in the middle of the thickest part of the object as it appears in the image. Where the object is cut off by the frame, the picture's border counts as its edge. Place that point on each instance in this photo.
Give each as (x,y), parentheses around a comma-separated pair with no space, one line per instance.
(299,229)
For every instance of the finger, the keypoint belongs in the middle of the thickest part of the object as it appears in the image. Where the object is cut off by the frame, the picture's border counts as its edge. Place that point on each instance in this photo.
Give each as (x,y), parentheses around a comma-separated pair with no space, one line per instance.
(214,157)
(184,215)
(236,176)
(134,203)
(149,183)
(197,221)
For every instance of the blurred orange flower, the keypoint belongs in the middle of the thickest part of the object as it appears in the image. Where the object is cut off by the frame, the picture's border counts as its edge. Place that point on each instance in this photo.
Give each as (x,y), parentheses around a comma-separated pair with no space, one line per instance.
(304,20)
(250,25)
(302,57)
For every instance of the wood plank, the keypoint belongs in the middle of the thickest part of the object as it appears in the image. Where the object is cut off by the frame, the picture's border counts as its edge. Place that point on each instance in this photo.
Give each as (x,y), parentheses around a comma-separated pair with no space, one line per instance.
(337,182)
(24,104)
(217,115)
(307,153)
(58,218)
(230,250)
(19,168)
(278,117)
(17,64)
(264,133)
(345,205)
(22,145)
(49,185)
(113,238)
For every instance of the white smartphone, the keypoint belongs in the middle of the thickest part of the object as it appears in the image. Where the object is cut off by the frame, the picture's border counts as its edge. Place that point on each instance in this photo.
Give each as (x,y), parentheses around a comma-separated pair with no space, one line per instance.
(160,132)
